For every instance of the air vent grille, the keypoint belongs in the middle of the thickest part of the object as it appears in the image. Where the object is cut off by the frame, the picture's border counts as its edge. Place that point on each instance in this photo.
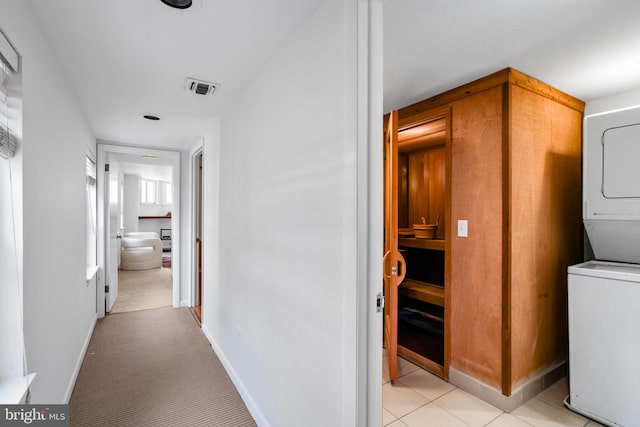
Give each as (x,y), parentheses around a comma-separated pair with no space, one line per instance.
(200,87)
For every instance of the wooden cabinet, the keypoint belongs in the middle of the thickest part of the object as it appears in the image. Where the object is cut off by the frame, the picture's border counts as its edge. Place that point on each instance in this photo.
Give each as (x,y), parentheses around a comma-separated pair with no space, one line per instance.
(511,165)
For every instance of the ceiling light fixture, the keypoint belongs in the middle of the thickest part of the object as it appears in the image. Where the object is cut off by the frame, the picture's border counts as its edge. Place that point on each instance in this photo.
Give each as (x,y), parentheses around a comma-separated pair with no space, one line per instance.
(151,117)
(148,157)
(178,4)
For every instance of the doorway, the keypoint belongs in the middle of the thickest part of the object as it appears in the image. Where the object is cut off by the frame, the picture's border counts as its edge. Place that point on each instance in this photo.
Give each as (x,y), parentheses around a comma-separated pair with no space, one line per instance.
(116,219)
(197,242)
(417,212)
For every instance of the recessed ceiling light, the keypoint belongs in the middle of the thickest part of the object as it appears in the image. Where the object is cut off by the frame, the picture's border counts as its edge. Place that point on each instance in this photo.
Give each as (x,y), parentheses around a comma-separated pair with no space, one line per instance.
(151,117)
(178,4)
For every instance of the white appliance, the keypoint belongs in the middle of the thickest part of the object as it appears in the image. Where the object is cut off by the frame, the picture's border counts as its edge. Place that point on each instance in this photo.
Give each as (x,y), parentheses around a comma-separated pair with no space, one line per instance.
(604,342)
(611,184)
(604,295)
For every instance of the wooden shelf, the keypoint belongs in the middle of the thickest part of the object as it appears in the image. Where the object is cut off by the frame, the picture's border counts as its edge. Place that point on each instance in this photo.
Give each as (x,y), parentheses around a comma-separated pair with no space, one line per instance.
(422,291)
(154,217)
(412,242)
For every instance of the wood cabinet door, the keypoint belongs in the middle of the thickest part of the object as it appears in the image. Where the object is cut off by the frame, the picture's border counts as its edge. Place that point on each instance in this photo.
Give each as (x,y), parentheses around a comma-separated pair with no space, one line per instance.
(393,262)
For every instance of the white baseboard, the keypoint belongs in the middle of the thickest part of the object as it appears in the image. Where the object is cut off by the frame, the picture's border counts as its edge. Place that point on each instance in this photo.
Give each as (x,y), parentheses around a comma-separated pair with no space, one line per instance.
(521,394)
(255,412)
(76,370)
(184,303)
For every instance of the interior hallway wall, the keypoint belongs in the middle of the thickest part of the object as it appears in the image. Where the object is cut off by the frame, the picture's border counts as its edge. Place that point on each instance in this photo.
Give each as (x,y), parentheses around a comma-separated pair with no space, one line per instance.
(185,227)
(131,202)
(279,297)
(622,100)
(59,306)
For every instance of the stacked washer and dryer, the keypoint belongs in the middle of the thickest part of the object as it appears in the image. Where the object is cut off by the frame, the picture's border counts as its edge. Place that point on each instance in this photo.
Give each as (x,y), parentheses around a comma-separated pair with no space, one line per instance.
(604,295)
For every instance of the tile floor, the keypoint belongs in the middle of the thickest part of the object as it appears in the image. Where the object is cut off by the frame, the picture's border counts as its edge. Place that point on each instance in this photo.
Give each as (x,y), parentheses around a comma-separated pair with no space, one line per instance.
(420,399)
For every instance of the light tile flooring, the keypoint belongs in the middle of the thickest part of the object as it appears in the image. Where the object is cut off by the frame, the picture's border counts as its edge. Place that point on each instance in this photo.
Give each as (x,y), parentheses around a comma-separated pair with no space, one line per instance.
(420,399)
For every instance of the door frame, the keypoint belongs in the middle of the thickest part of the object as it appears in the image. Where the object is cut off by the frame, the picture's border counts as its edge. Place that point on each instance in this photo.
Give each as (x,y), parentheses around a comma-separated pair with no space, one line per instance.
(370,213)
(194,297)
(102,150)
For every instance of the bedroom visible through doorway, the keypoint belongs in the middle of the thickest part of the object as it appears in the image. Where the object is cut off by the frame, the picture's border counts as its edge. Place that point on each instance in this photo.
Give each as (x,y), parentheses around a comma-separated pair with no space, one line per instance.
(144,274)
(139,248)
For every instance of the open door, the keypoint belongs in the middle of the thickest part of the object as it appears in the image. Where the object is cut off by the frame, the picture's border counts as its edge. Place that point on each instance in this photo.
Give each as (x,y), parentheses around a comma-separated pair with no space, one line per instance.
(198,214)
(393,263)
(112,231)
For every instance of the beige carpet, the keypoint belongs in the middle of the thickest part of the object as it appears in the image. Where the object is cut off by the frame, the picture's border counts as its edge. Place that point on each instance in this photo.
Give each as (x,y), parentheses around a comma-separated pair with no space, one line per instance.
(143,289)
(154,368)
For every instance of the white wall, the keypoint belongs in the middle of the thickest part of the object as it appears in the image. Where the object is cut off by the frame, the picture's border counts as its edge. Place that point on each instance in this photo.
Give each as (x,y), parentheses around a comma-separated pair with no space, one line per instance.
(211,227)
(59,307)
(185,228)
(131,202)
(279,297)
(616,102)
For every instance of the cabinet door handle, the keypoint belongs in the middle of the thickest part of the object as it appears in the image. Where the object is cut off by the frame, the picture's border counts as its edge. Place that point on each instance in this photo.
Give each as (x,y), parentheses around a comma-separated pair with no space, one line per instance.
(403,268)
(384,265)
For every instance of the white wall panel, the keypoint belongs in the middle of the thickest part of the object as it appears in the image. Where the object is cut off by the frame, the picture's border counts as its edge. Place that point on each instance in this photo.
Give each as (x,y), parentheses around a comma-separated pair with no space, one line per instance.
(59,306)
(280,305)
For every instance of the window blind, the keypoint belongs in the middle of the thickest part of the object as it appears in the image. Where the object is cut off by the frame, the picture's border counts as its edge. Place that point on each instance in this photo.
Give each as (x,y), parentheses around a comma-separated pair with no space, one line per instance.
(91,171)
(14,382)
(92,260)
(8,54)
(8,140)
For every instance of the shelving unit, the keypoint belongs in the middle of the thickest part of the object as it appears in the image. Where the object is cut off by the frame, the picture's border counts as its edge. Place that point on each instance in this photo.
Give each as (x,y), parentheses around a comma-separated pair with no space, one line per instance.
(434,244)
(421,304)
(423,291)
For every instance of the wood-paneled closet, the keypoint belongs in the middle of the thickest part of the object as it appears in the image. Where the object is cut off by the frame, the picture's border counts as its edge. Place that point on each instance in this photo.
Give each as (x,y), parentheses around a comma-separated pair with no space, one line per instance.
(504,154)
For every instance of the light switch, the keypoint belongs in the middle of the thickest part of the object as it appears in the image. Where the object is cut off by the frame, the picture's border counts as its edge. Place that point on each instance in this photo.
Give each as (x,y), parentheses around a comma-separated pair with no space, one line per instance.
(463,228)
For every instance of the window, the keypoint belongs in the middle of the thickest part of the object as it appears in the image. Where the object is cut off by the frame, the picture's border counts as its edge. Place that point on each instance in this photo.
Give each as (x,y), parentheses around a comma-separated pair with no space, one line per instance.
(8,140)
(12,351)
(156,192)
(92,259)
(148,192)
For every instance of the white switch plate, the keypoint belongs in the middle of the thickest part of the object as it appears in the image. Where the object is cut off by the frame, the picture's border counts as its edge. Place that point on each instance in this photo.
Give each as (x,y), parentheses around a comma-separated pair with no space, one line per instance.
(463,228)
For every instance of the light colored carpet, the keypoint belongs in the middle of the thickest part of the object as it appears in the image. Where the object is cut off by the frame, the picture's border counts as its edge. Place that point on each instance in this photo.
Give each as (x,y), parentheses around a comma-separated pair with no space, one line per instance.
(154,368)
(143,289)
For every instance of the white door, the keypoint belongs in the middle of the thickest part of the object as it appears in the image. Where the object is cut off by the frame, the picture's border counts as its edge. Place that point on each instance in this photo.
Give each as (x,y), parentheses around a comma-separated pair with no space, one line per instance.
(112,231)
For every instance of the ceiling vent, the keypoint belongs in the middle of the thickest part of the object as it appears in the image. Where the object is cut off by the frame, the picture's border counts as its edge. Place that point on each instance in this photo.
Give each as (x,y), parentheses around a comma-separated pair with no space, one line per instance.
(200,87)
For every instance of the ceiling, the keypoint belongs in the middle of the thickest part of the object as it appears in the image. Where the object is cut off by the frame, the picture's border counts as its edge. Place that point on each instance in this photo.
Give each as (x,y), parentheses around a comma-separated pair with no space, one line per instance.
(156,169)
(126,58)
(587,48)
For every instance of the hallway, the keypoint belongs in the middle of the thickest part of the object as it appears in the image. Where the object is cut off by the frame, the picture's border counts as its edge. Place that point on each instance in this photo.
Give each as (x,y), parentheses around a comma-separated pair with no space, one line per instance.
(154,368)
